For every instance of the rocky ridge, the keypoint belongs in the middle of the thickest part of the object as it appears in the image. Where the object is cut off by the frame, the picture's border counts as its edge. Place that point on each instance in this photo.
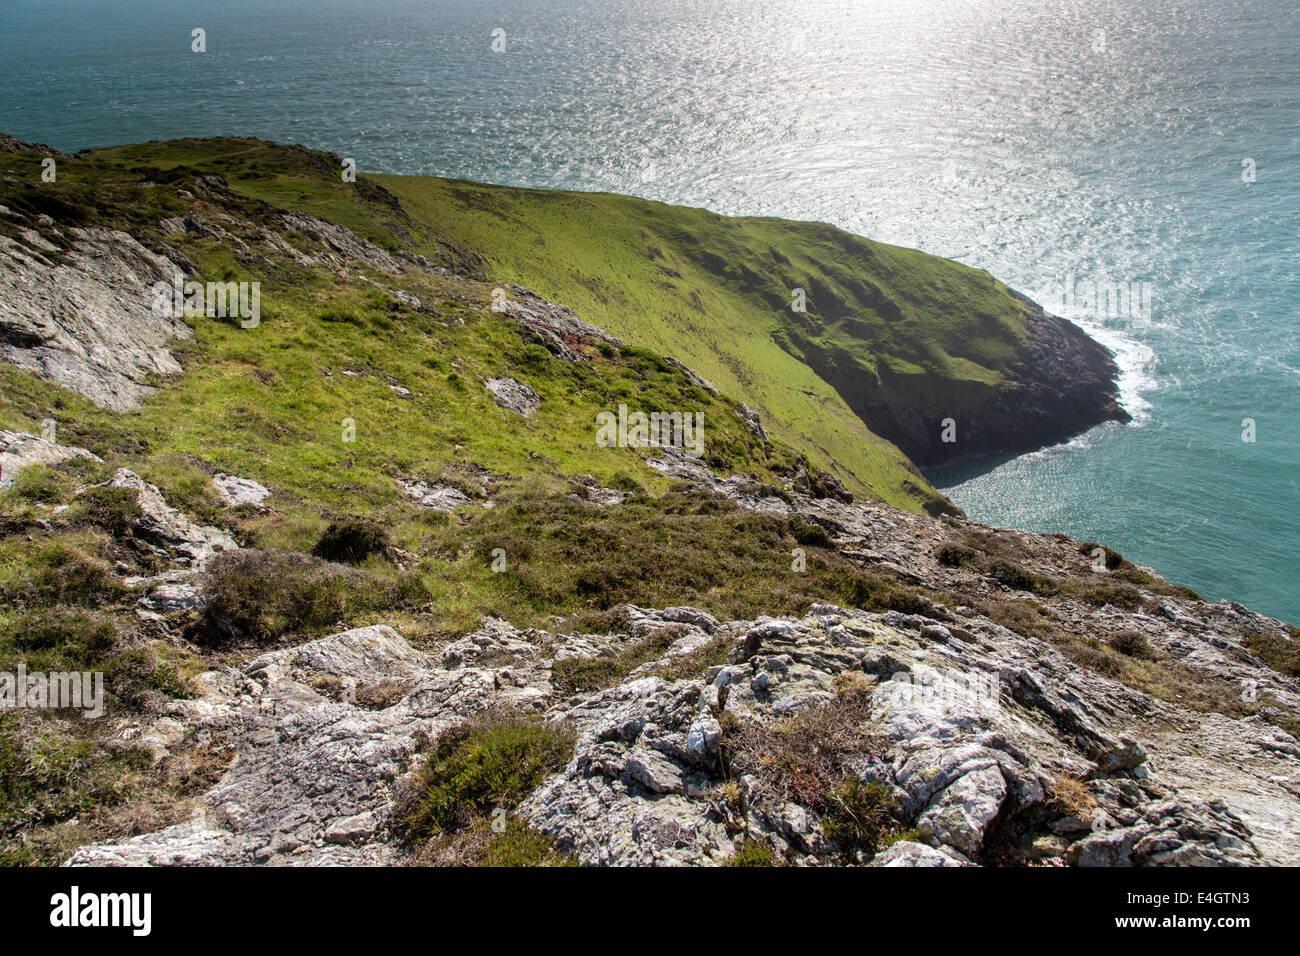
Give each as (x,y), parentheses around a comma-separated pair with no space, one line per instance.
(977,727)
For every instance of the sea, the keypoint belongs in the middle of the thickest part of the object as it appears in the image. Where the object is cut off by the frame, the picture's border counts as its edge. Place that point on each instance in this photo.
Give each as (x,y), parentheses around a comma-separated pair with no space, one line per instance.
(1092,153)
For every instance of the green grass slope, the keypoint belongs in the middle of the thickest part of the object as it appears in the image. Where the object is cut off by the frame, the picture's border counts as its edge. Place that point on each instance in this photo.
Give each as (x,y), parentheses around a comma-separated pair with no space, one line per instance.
(272,402)
(712,291)
(884,325)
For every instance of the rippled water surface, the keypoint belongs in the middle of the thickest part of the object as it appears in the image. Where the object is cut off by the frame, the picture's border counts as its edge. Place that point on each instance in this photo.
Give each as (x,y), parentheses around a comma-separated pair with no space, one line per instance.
(1102,140)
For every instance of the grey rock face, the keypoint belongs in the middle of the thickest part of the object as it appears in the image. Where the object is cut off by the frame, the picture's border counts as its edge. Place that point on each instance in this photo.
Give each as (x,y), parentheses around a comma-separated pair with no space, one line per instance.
(1247,763)
(589,489)
(240,491)
(86,321)
(753,422)
(960,753)
(436,496)
(556,326)
(907,853)
(342,249)
(1171,833)
(316,777)
(170,597)
(19,450)
(313,779)
(190,543)
(513,395)
(653,771)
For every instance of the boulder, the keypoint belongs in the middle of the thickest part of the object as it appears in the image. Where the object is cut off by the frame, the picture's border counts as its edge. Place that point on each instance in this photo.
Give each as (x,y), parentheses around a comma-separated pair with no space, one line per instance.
(515,396)
(236,491)
(907,853)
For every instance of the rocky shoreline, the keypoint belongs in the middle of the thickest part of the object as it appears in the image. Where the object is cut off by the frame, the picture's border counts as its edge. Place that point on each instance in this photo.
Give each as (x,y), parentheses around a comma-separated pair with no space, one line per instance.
(1063,384)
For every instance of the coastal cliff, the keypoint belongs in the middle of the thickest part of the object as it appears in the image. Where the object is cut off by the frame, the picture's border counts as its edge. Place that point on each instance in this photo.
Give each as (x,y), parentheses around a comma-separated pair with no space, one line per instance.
(1060,385)
(365,587)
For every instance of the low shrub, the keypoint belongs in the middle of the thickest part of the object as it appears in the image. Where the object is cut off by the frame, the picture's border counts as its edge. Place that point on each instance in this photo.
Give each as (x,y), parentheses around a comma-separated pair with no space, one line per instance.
(691,665)
(519,845)
(492,761)
(626,483)
(1113,559)
(351,541)
(115,510)
(878,593)
(1120,595)
(133,675)
(1014,576)
(956,555)
(753,853)
(60,572)
(262,596)
(805,758)
(56,638)
(1130,643)
(535,357)
(810,534)
(36,484)
(576,674)
(49,775)
(1024,616)
(1278,652)
(1178,591)
(858,815)
(1094,658)
(1070,797)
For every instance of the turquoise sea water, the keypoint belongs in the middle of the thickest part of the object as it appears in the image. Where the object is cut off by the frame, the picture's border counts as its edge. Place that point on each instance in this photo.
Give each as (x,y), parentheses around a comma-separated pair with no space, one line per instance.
(1099,139)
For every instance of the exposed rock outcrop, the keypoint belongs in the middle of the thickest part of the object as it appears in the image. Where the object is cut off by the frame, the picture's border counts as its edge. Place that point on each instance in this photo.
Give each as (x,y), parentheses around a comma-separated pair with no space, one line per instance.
(9,144)
(237,491)
(437,496)
(343,249)
(556,326)
(316,776)
(516,396)
(977,726)
(81,316)
(167,528)
(19,450)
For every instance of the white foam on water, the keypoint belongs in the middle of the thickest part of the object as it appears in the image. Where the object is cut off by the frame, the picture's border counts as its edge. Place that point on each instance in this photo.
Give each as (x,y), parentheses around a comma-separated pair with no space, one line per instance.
(1136,361)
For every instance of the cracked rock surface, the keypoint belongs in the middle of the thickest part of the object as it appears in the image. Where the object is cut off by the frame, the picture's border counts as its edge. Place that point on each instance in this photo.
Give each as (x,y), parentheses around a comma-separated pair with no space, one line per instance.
(83,316)
(977,724)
